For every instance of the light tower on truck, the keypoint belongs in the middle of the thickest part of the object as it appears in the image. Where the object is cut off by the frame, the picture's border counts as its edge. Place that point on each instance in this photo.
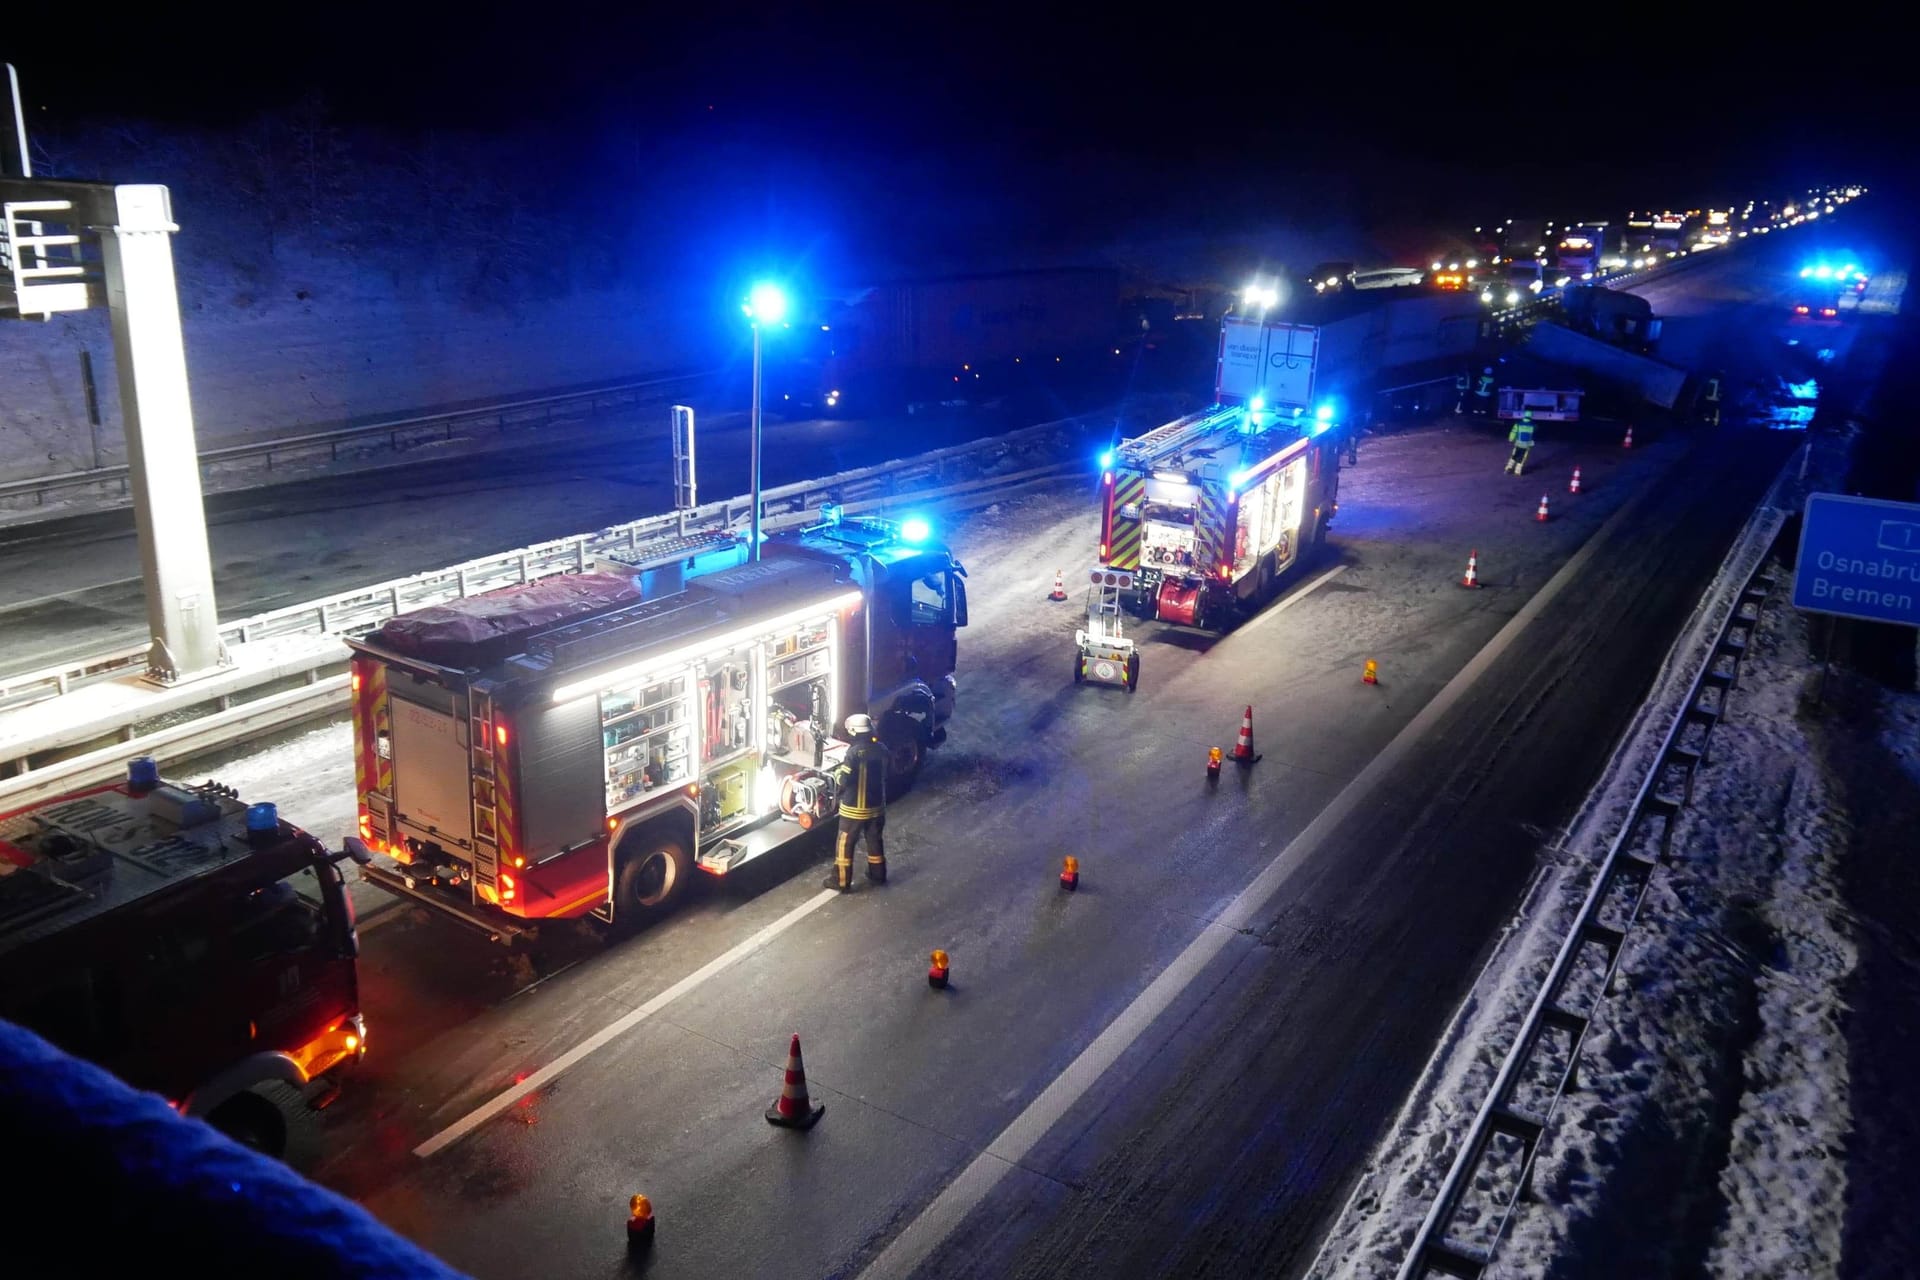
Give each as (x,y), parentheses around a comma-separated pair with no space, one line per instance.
(766,304)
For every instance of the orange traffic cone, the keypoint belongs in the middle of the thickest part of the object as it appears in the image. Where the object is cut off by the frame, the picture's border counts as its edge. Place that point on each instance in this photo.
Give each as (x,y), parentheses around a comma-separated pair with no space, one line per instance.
(937,971)
(1059,591)
(1371,673)
(1541,514)
(1573,485)
(1628,442)
(639,1223)
(792,1109)
(1243,752)
(1472,578)
(1213,764)
(1070,873)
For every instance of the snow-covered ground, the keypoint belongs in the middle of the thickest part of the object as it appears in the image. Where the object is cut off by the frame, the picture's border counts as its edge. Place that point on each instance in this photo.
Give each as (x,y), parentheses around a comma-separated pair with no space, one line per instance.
(1710,1129)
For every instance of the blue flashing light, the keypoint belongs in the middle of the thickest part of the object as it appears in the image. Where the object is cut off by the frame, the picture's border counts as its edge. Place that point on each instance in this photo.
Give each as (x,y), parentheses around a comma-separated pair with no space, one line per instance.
(262,819)
(1106,460)
(914,530)
(1823,273)
(1239,478)
(1805,272)
(143,773)
(767,303)
(1257,404)
(1324,413)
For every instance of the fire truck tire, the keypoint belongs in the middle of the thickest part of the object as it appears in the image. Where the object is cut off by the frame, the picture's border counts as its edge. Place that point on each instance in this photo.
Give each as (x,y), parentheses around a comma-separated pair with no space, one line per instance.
(906,749)
(653,874)
(1133,672)
(274,1119)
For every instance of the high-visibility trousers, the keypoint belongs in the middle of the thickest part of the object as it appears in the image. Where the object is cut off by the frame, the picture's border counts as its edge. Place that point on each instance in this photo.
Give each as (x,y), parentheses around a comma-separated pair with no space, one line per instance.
(852,832)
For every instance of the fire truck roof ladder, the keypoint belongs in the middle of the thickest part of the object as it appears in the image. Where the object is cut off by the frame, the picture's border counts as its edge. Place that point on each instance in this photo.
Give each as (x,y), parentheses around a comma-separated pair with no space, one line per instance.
(1163,442)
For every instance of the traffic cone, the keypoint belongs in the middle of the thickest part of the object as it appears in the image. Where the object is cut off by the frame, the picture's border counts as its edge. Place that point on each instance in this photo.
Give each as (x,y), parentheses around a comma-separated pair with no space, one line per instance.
(1070,873)
(1573,485)
(1472,578)
(1628,442)
(1059,591)
(792,1109)
(1213,764)
(639,1223)
(1371,673)
(1541,514)
(1243,746)
(937,971)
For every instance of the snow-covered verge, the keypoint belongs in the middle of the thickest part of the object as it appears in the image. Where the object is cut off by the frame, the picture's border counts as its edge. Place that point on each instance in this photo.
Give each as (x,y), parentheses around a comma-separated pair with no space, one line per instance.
(1717,1126)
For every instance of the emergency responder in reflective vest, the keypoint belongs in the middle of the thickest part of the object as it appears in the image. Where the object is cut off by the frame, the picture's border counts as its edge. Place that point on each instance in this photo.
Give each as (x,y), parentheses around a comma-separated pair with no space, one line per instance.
(861,785)
(1483,392)
(1460,385)
(1522,438)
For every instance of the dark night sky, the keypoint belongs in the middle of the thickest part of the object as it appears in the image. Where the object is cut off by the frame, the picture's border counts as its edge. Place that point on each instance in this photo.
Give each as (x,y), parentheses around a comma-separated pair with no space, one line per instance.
(1114,121)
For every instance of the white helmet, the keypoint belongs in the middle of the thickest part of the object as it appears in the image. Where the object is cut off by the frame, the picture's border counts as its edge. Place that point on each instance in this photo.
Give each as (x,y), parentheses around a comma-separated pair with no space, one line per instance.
(859,726)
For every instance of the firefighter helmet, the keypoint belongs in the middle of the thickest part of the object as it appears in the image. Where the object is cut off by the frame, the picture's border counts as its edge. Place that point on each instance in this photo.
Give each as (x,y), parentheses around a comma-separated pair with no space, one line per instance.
(859,726)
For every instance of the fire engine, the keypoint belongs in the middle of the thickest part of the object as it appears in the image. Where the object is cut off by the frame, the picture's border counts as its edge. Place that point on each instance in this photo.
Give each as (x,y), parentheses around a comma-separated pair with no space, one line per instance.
(190,943)
(1208,514)
(521,757)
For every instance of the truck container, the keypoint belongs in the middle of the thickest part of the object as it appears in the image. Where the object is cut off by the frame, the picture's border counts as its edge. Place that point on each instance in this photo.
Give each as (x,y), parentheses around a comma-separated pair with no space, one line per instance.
(605,759)
(1623,319)
(194,945)
(955,339)
(1636,376)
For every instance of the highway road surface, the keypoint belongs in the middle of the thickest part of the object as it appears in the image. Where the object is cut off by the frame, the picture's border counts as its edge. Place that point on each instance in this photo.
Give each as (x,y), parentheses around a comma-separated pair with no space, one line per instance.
(1175,1071)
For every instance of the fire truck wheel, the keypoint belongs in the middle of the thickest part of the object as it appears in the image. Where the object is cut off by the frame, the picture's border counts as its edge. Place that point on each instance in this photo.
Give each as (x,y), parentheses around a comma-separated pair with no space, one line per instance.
(653,874)
(905,751)
(1133,672)
(274,1119)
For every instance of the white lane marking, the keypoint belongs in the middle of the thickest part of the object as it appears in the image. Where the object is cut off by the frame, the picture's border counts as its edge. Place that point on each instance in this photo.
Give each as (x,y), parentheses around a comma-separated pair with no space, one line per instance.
(1293,599)
(938,1220)
(14,606)
(598,1040)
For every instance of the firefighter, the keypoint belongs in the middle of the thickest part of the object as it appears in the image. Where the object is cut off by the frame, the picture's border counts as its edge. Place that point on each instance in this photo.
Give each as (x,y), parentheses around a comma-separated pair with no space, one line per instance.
(1522,439)
(861,785)
(1461,384)
(1483,393)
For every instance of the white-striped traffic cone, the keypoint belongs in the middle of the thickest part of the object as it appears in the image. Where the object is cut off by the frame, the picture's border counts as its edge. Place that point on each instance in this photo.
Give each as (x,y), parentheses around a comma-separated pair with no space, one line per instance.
(1059,591)
(1472,578)
(793,1109)
(1573,485)
(1541,514)
(1628,442)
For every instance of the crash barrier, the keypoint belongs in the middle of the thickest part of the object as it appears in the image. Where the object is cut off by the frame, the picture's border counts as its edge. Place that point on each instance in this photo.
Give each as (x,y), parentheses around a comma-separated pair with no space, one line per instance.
(226,719)
(366,607)
(396,435)
(127,1184)
(1544,1060)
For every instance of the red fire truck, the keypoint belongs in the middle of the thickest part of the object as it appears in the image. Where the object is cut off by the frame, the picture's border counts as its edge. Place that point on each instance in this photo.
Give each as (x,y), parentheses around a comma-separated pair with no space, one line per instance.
(190,943)
(1209,513)
(568,758)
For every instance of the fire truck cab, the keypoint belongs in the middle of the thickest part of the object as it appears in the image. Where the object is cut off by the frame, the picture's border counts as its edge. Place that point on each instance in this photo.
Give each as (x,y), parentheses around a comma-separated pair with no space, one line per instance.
(591,765)
(191,944)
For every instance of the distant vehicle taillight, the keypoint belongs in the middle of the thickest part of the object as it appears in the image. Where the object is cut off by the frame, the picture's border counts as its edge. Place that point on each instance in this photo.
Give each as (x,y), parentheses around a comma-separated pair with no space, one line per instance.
(1829,311)
(1800,311)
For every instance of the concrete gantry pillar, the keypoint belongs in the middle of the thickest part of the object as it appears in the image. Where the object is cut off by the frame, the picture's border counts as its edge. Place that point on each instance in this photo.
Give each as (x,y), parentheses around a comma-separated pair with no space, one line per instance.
(163,464)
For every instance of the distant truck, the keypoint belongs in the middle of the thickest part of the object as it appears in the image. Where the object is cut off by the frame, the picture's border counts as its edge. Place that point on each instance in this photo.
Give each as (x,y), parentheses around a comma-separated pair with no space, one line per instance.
(1624,319)
(1578,254)
(194,945)
(954,339)
(581,745)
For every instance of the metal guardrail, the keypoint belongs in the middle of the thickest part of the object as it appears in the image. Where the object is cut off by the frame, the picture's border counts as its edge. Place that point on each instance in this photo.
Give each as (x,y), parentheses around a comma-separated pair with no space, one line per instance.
(366,607)
(397,434)
(1620,883)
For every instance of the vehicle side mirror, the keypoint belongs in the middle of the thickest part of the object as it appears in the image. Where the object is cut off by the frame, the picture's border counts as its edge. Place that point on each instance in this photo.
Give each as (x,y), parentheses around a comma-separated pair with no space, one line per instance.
(355,848)
(957,598)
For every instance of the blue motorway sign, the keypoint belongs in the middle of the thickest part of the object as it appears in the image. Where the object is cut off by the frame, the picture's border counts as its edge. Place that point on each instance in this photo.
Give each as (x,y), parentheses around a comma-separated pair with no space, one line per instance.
(1860,558)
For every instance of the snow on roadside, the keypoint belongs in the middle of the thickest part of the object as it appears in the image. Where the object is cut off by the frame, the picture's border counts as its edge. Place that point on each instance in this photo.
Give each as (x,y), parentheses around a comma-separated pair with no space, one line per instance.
(1394,1193)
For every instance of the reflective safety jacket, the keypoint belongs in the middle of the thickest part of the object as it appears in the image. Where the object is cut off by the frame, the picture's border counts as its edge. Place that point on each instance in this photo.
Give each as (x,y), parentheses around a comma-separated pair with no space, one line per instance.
(1460,382)
(861,780)
(1484,386)
(1522,433)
